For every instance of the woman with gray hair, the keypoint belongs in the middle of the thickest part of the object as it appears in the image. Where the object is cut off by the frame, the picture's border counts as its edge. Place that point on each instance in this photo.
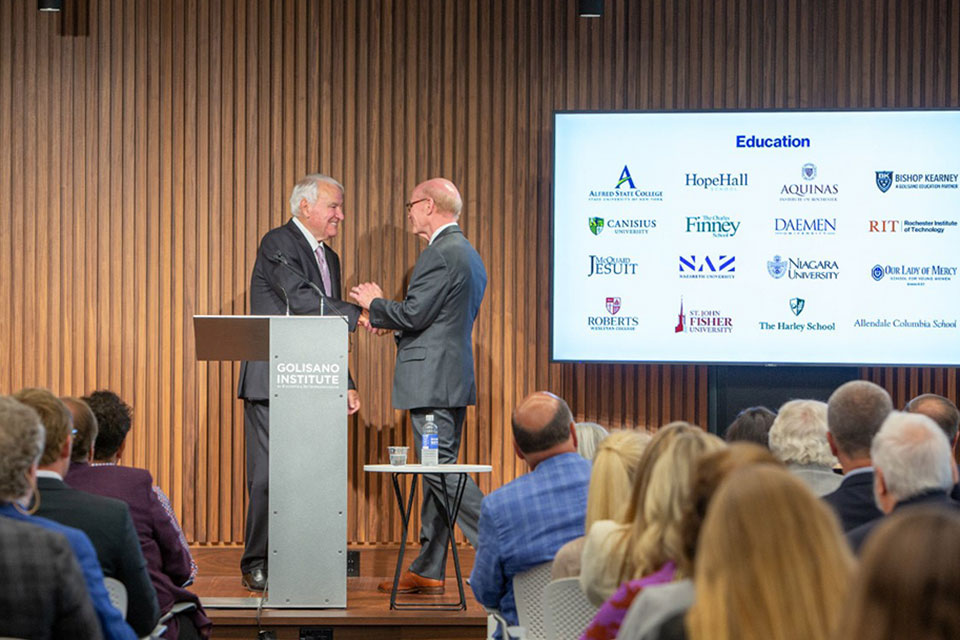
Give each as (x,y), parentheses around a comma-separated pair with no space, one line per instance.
(30,609)
(798,437)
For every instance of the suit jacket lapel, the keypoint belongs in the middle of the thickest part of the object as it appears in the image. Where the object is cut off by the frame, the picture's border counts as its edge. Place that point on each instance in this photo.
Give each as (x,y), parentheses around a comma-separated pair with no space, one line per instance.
(306,256)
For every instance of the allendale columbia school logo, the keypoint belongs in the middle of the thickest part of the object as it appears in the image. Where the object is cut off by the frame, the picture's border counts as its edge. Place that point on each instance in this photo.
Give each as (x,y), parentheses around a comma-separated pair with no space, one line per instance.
(612,321)
(621,226)
(625,190)
(702,321)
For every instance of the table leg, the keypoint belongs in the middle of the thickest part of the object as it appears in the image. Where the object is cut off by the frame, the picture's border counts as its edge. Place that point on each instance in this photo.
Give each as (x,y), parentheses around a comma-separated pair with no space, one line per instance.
(405,518)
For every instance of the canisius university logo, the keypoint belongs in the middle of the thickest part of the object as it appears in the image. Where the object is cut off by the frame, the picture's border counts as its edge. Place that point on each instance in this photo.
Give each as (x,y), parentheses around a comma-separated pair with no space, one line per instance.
(621,226)
(625,190)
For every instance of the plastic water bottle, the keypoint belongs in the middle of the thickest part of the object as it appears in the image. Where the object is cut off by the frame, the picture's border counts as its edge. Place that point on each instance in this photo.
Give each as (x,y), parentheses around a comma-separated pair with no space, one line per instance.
(431,443)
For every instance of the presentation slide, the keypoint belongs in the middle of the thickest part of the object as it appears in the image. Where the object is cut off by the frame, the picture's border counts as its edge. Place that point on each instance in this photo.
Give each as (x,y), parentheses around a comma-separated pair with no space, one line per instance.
(788,237)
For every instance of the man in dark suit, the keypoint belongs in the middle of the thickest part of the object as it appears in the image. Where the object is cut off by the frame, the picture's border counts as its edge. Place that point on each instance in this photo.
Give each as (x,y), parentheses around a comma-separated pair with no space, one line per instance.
(913,466)
(434,366)
(105,521)
(855,412)
(293,262)
(942,411)
(49,599)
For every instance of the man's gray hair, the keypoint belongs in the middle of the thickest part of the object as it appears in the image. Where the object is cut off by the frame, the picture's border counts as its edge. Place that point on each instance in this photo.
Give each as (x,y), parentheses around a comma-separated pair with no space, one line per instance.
(306,189)
(799,433)
(21,443)
(855,412)
(913,454)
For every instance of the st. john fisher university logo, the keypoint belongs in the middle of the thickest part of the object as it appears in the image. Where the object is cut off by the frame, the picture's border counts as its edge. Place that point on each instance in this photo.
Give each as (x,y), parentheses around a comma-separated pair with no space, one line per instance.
(613,305)
(625,177)
(796,305)
(884,180)
(596,225)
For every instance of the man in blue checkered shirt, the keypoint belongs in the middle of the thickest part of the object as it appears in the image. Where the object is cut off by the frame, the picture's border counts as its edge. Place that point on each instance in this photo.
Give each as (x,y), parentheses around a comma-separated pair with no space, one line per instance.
(525,522)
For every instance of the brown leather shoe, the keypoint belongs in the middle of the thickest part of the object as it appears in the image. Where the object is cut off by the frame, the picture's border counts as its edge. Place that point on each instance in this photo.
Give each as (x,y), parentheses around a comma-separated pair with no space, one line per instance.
(412,583)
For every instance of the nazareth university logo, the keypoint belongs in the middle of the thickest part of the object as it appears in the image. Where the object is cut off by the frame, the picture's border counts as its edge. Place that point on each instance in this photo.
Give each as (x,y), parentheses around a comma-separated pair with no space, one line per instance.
(884,180)
(613,305)
(625,177)
(596,225)
(796,305)
(777,267)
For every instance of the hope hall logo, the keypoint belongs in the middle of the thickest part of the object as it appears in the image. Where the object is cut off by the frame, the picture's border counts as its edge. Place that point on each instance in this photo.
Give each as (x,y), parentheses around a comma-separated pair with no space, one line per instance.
(596,225)
(625,177)
(884,180)
(796,305)
(708,267)
(808,171)
(777,267)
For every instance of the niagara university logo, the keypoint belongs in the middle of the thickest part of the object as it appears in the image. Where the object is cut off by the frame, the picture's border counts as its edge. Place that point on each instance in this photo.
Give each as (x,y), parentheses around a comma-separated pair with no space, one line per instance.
(596,225)
(877,272)
(809,171)
(796,305)
(625,177)
(884,180)
(776,267)
(613,305)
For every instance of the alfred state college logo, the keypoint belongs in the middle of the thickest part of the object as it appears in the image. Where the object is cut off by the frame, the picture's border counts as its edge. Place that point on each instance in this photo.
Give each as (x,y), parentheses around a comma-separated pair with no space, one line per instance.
(884,180)
(596,225)
(625,177)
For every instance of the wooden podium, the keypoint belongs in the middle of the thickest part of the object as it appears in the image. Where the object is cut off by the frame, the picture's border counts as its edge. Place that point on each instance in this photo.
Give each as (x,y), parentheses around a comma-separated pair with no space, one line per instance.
(307,358)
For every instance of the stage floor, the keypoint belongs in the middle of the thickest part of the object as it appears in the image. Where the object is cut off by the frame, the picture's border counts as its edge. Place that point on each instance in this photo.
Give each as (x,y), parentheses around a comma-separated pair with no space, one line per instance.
(233,609)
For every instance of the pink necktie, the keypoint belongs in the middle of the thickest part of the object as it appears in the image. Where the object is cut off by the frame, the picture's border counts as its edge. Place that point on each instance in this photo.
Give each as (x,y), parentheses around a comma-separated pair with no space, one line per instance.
(324,270)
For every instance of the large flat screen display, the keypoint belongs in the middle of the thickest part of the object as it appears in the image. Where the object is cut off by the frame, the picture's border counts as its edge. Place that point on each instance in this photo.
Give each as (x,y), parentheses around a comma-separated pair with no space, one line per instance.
(757,237)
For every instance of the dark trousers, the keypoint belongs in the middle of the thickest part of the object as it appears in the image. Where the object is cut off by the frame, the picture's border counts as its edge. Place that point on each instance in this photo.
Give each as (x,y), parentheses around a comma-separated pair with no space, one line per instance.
(433,527)
(256,430)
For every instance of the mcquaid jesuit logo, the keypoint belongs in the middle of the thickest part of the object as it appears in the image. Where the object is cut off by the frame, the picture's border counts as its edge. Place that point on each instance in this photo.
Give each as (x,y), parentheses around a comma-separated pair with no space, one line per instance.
(624,189)
(612,319)
(612,266)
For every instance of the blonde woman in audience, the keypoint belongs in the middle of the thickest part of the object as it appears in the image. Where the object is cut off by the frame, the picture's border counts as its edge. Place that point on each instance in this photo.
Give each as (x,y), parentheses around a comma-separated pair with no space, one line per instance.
(798,437)
(604,563)
(614,469)
(589,437)
(909,579)
(771,564)
(655,552)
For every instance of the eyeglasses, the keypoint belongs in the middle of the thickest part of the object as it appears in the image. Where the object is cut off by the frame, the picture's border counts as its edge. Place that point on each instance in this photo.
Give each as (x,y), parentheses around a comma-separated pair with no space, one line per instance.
(74,432)
(409,205)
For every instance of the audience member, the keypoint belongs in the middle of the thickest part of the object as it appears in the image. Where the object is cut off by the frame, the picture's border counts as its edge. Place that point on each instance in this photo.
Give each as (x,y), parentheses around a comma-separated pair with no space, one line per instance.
(525,522)
(942,411)
(751,425)
(771,561)
(659,603)
(589,436)
(45,596)
(912,466)
(798,437)
(908,582)
(657,554)
(164,546)
(855,412)
(21,444)
(606,562)
(614,470)
(105,521)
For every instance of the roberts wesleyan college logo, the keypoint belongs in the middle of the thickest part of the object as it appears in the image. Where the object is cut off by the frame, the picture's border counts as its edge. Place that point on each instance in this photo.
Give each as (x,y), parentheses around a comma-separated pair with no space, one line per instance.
(776,267)
(596,225)
(625,177)
(884,180)
(796,305)
(613,305)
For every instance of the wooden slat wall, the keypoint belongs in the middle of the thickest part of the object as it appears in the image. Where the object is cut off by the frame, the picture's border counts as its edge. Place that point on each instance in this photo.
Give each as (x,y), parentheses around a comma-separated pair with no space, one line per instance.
(146,145)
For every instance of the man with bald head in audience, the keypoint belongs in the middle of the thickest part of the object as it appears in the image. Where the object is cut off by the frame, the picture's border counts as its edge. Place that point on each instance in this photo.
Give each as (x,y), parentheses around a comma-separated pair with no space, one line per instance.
(913,466)
(525,522)
(942,411)
(433,374)
(855,412)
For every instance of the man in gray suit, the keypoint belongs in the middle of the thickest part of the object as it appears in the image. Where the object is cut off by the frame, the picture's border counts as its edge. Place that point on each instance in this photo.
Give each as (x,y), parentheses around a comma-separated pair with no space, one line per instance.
(434,367)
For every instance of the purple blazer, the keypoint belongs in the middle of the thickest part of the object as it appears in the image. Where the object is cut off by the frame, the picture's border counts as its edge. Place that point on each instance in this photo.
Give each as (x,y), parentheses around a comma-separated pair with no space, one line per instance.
(168,561)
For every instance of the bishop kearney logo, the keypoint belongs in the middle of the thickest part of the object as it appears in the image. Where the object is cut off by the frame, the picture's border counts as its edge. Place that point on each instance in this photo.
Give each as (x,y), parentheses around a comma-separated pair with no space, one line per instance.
(596,225)
(884,180)
(613,305)
(625,177)
(776,267)
(796,305)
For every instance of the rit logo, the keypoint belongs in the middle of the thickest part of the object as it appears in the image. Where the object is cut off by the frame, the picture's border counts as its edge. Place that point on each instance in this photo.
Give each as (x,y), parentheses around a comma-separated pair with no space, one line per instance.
(884,226)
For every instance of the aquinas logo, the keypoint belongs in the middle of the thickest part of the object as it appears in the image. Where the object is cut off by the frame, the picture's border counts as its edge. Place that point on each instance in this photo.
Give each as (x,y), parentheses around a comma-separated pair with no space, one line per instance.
(807,190)
(611,266)
(625,190)
(719,267)
(622,226)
